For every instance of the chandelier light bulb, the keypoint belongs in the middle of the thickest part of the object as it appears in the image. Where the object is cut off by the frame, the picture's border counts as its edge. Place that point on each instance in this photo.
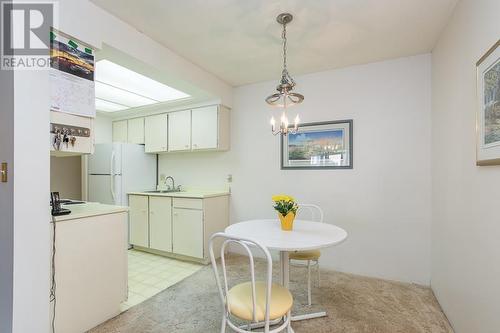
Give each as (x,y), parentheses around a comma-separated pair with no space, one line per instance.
(284,125)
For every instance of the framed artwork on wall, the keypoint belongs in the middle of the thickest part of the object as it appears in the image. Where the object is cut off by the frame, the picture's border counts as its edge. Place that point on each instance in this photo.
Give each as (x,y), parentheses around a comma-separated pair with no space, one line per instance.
(488,112)
(322,145)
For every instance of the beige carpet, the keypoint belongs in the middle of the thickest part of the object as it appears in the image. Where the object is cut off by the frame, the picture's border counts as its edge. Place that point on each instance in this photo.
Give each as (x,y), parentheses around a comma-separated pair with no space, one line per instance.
(354,304)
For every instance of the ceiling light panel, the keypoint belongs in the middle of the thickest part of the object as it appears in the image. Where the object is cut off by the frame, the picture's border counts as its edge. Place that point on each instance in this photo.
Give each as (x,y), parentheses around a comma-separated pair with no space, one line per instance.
(126,79)
(107,106)
(120,96)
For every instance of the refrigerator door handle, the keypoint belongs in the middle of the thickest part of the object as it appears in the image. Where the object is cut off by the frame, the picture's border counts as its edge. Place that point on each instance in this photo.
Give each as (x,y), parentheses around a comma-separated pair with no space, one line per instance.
(112,176)
(112,185)
(112,163)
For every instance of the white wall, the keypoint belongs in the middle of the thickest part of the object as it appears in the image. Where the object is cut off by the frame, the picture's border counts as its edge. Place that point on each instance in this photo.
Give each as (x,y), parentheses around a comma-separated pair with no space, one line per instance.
(466,222)
(384,202)
(66,176)
(31,202)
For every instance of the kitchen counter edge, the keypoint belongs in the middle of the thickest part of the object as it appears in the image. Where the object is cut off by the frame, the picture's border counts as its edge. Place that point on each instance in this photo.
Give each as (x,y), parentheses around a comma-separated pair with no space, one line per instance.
(193,195)
(90,209)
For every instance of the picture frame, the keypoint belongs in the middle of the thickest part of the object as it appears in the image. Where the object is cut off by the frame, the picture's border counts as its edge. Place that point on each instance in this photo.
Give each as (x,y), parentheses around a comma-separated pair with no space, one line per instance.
(319,145)
(488,107)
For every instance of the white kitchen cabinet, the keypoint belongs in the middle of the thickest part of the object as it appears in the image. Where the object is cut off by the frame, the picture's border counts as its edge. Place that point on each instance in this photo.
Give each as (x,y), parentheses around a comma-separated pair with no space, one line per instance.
(179,227)
(156,133)
(160,223)
(204,128)
(179,130)
(210,128)
(135,131)
(120,131)
(187,225)
(139,220)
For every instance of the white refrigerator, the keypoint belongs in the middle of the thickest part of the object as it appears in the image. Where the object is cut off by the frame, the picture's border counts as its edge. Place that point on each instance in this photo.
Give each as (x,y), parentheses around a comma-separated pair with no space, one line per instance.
(118,168)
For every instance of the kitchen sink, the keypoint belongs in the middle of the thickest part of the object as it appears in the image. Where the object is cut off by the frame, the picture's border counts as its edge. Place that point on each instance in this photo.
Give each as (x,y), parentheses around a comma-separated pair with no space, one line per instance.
(165,191)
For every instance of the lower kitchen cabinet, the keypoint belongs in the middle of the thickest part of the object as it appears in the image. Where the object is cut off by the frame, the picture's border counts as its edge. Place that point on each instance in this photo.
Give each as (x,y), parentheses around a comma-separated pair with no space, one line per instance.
(160,223)
(179,227)
(138,220)
(188,232)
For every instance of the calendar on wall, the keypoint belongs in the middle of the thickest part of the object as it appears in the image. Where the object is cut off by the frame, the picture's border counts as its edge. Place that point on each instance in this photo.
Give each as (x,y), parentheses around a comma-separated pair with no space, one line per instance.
(72,86)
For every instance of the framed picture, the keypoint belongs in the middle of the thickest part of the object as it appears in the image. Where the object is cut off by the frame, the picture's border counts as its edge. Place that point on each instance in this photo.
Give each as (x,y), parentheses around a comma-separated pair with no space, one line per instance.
(324,145)
(488,113)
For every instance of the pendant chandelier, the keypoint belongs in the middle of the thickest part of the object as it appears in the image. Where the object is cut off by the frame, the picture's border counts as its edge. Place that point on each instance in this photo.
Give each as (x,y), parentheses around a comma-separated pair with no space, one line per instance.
(284,97)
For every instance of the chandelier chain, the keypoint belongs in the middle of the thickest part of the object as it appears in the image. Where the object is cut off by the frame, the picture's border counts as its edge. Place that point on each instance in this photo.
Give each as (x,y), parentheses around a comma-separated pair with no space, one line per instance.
(283,36)
(285,75)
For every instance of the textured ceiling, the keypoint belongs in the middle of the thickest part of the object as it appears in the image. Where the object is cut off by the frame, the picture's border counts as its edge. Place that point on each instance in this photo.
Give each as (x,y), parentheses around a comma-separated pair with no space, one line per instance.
(239,41)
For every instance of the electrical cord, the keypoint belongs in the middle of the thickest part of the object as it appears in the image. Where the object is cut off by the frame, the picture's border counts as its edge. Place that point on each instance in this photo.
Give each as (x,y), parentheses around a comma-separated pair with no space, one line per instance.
(52,296)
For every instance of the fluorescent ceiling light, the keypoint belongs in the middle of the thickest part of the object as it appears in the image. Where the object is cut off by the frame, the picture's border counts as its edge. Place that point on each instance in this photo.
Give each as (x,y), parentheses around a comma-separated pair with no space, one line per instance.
(108,106)
(123,78)
(120,96)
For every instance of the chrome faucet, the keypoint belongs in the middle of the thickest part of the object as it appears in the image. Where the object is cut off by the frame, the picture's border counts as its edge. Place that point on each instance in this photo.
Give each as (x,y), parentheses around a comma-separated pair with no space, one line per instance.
(172,188)
(173,182)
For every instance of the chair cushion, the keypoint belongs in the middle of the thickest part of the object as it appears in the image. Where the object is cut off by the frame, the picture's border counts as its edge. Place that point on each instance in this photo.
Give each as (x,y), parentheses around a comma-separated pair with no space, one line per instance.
(239,299)
(305,255)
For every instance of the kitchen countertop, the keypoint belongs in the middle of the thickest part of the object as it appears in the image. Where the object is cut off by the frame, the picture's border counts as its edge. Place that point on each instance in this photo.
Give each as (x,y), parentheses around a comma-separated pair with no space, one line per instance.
(195,194)
(89,209)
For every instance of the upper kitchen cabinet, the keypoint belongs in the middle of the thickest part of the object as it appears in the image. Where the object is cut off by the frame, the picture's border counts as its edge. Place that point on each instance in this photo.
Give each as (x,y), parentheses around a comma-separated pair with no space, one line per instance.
(179,130)
(156,137)
(203,128)
(210,128)
(120,131)
(136,131)
(131,131)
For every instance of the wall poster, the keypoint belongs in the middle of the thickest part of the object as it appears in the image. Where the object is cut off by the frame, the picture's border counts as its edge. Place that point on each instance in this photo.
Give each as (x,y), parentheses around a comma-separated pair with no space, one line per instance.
(72,85)
(488,112)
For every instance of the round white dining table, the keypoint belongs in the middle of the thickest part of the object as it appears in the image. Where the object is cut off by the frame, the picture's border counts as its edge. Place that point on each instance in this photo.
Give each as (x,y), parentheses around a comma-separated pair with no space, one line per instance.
(306,235)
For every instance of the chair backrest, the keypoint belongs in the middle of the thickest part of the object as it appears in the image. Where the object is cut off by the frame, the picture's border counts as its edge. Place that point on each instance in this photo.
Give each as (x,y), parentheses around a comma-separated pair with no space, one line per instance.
(245,243)
(315,211)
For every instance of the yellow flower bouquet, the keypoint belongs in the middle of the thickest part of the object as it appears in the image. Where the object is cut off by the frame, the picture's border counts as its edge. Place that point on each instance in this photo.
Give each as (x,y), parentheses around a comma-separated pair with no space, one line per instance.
(286,207)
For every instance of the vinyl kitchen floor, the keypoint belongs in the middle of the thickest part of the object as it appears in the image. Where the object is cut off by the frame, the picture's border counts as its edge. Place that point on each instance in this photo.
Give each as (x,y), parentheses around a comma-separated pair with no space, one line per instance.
(148,274)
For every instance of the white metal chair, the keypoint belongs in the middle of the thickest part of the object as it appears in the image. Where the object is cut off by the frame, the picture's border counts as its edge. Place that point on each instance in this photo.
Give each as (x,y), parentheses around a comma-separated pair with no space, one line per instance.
(316,214)
(255,302)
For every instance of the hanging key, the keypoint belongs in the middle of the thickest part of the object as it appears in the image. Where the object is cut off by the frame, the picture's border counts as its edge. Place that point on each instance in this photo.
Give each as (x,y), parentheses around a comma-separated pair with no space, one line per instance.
(65,139)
